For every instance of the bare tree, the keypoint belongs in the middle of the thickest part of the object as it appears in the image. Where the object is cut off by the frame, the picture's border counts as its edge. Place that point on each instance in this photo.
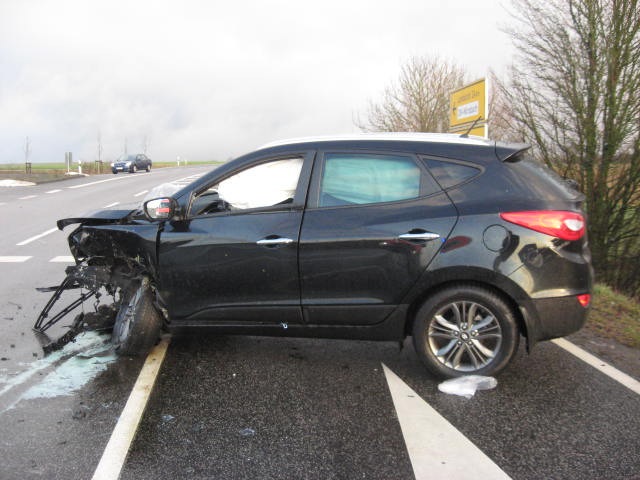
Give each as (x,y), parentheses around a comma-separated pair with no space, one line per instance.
(27,149)
(146,142)
(501,121)
(419,101)
(575,94)
(99,147)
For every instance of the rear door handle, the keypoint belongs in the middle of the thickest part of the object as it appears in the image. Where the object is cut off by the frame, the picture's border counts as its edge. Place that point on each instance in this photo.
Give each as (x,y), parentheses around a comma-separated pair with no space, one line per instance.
(271,241)
(425,236)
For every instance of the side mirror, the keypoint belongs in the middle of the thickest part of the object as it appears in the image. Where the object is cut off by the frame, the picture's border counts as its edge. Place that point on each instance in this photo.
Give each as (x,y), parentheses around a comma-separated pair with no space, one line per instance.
(160,208)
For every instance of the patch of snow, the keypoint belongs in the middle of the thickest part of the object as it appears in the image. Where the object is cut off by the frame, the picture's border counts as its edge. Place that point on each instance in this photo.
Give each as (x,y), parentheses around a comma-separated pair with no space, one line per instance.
(15,183)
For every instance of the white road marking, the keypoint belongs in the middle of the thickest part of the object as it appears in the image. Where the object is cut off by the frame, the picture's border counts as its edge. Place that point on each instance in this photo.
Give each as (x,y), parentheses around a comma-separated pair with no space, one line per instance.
(54,191)
(27,197)
(63,259)
(436,448)
(14,259)
(141,193)
(116,450)
(102,181)
(612,372)
(111,205)
(44,234)
(187,180)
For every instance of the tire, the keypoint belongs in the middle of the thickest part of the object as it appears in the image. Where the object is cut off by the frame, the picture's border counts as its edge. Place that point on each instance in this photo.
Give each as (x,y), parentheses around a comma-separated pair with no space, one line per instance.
(115,172)
(465,330)
(148,169)
(138,323)
(134,169)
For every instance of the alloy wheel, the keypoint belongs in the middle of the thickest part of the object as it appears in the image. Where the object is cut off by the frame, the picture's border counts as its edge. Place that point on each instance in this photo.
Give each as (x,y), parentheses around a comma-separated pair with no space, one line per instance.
(464,336)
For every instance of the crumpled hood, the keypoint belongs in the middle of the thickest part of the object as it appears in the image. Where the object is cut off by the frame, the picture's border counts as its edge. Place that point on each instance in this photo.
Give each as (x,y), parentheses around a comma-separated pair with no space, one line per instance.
(99,217)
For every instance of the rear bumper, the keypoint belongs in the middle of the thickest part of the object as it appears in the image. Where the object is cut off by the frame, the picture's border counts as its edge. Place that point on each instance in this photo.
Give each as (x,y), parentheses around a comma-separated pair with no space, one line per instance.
(548,318)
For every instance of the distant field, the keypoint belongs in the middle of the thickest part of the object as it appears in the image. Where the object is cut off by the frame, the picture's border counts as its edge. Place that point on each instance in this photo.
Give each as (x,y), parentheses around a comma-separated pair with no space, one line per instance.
(88,167)
(50,172)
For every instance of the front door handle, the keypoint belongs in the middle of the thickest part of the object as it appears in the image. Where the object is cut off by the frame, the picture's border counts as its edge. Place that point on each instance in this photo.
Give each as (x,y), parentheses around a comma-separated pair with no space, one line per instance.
(271,241)
(425,236)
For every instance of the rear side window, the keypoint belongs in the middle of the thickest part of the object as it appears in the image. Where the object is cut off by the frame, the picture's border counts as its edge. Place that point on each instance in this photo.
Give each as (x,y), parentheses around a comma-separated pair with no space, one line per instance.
(449,174)
(367,178)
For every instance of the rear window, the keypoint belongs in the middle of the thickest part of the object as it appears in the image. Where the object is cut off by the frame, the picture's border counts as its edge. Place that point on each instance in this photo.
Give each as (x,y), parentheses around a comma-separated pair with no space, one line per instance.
(542,180)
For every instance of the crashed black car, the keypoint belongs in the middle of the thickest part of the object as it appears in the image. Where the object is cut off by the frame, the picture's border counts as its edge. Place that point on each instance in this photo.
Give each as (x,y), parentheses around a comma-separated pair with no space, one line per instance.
(462,243)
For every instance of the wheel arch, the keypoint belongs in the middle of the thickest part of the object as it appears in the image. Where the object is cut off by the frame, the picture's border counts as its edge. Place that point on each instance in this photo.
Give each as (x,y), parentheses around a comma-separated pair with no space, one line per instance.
(500,285)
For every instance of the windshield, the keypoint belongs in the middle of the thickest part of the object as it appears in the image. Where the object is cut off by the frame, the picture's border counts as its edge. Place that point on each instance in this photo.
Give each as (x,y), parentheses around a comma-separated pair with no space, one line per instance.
(126,158)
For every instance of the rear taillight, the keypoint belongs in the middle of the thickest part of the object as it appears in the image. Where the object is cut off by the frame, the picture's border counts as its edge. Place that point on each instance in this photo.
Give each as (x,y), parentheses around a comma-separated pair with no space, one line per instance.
(568,226)
(584,299)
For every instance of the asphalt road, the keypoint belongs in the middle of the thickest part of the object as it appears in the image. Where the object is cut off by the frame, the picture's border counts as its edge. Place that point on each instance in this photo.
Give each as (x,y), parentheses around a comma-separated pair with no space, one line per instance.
(250,407)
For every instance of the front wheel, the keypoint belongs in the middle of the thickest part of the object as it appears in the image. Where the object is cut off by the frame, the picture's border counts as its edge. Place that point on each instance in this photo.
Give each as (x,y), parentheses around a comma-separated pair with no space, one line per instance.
(465,330)
(138,323)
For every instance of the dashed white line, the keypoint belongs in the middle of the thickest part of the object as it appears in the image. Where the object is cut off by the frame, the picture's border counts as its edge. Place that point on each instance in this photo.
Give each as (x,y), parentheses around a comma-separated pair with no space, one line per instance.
(116,450)
(14,259)
(54,191)
(612,372)
(111,205)
(62,259)
(188,179)
(27,197)
(29,240)
(141,193)
(436,448)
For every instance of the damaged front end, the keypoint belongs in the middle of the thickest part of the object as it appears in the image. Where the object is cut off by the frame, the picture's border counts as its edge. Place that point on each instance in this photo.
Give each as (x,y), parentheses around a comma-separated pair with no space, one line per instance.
(115,251)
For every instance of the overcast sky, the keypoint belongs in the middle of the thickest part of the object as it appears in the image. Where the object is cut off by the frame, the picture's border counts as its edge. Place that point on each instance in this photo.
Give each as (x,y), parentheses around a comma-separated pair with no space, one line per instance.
(209,80)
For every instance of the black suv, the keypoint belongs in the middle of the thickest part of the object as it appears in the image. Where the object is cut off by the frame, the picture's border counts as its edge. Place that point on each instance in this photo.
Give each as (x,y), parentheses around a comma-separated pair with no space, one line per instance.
(131,163)
(464,244)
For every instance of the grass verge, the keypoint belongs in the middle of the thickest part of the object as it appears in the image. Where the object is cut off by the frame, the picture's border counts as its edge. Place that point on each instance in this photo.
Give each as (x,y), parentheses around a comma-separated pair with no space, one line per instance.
(614,316)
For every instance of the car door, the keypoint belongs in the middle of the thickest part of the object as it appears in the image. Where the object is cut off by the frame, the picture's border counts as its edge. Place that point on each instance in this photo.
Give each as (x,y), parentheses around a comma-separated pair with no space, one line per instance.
(234,260)
(373,224)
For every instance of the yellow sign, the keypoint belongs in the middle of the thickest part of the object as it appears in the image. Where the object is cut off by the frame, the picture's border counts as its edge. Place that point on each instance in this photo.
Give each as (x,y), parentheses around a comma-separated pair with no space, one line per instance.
(468,109)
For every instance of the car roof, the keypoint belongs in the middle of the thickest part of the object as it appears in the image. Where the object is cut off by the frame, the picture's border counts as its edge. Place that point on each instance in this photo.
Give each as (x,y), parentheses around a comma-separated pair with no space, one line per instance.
(386,137)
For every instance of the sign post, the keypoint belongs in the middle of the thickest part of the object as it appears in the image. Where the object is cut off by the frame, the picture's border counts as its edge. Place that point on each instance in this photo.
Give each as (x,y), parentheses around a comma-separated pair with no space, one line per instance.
(468,109)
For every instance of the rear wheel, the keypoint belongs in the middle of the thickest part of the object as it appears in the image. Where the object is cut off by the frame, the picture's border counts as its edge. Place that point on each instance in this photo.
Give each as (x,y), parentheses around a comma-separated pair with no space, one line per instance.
(465,330)
(138,323)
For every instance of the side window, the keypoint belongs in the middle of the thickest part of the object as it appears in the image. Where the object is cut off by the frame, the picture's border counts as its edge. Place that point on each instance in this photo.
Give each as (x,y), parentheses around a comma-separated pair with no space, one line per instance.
(368,178)
(449,174)
(264,185)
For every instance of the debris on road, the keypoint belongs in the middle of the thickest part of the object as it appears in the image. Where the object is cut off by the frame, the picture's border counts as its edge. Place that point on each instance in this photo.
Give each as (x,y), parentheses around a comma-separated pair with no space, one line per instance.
(468,385)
